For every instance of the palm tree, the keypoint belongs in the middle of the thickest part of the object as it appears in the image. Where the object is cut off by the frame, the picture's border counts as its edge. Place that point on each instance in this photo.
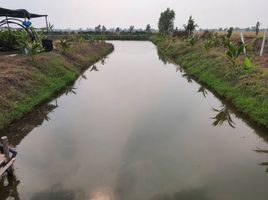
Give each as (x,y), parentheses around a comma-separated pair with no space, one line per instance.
(190,26)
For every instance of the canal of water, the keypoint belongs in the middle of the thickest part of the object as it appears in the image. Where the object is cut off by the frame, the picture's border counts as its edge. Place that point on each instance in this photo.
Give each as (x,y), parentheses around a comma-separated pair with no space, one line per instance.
(136,128)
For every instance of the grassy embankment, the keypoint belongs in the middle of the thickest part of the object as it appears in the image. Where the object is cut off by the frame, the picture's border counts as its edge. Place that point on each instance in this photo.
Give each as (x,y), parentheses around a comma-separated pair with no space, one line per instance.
(24,84)
(245,87)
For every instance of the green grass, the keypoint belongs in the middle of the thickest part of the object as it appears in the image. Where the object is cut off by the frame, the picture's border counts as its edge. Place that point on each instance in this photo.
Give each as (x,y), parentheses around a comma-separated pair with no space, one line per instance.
(246,89)
(47,75)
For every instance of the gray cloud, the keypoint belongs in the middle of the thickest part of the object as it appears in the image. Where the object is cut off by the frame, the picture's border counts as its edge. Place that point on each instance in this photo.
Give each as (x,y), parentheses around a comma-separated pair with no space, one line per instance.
(123,13)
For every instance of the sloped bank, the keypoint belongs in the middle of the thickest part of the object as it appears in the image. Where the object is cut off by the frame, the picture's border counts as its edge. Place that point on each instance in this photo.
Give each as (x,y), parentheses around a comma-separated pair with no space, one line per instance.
(245,88)
(25,84)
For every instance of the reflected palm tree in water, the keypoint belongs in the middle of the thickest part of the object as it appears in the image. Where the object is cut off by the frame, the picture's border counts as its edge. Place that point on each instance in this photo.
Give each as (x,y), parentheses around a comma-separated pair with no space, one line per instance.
(82,76)
(179,68)
(94,68)
(258,150)
(70,90)
(103,61)
(188,77)
(223,115)
(10,190)
(202,90)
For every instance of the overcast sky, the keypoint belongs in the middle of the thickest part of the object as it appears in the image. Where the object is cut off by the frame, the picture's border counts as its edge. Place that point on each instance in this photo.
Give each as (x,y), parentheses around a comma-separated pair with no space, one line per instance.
(123,13)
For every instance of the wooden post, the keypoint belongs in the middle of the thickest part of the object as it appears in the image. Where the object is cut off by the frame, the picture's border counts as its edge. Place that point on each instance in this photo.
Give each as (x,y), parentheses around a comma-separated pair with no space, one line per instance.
(6,153)
(5,147)
(263,43)
(46,24)
(243,41)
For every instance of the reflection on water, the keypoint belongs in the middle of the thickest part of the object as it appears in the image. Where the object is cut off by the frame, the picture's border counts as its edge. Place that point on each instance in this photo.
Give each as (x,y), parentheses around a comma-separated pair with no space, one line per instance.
(223,115)
(94,68)
(184,195)
(70,90)
(56,192)
(21,128)
(203,90)
(137,130)
(258,150)
(162,57)
(10,191)
(102,194)
(188,77)
(103,61)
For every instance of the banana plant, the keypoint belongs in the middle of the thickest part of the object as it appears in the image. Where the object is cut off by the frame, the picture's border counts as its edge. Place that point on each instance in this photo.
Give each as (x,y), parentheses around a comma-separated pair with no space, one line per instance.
(31,48)
(81,40)
(208,45)
(247,63)
(233,52)
(64,45)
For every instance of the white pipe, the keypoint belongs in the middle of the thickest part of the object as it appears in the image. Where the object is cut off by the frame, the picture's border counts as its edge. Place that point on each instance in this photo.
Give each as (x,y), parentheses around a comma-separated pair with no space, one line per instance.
(263,43)
(242,39)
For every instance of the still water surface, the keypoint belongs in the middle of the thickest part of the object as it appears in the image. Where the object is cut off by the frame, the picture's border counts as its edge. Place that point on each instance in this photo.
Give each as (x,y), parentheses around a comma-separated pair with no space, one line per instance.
(135,128)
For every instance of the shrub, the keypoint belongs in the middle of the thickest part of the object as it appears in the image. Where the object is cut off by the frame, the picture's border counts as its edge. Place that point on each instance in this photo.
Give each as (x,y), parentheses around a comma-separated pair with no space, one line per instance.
(192,40)
(8,40)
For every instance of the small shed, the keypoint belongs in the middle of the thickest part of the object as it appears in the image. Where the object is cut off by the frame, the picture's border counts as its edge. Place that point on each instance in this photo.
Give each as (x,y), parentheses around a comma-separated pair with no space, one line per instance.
(19,17)
(15,16)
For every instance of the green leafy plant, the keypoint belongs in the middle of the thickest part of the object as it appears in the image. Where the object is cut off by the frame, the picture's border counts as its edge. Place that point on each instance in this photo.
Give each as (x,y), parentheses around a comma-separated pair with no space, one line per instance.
(31,48)
(208,45)
(38,36)
(233,52)
(247,63)
(103,37)
(81,40)
(90,38)
(192,40)
(34,48)
(27,45)
(8,40)
(64,45)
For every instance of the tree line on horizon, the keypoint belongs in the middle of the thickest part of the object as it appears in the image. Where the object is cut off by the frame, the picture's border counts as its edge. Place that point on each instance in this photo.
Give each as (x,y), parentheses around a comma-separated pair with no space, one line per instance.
(166,25)
(167,18)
